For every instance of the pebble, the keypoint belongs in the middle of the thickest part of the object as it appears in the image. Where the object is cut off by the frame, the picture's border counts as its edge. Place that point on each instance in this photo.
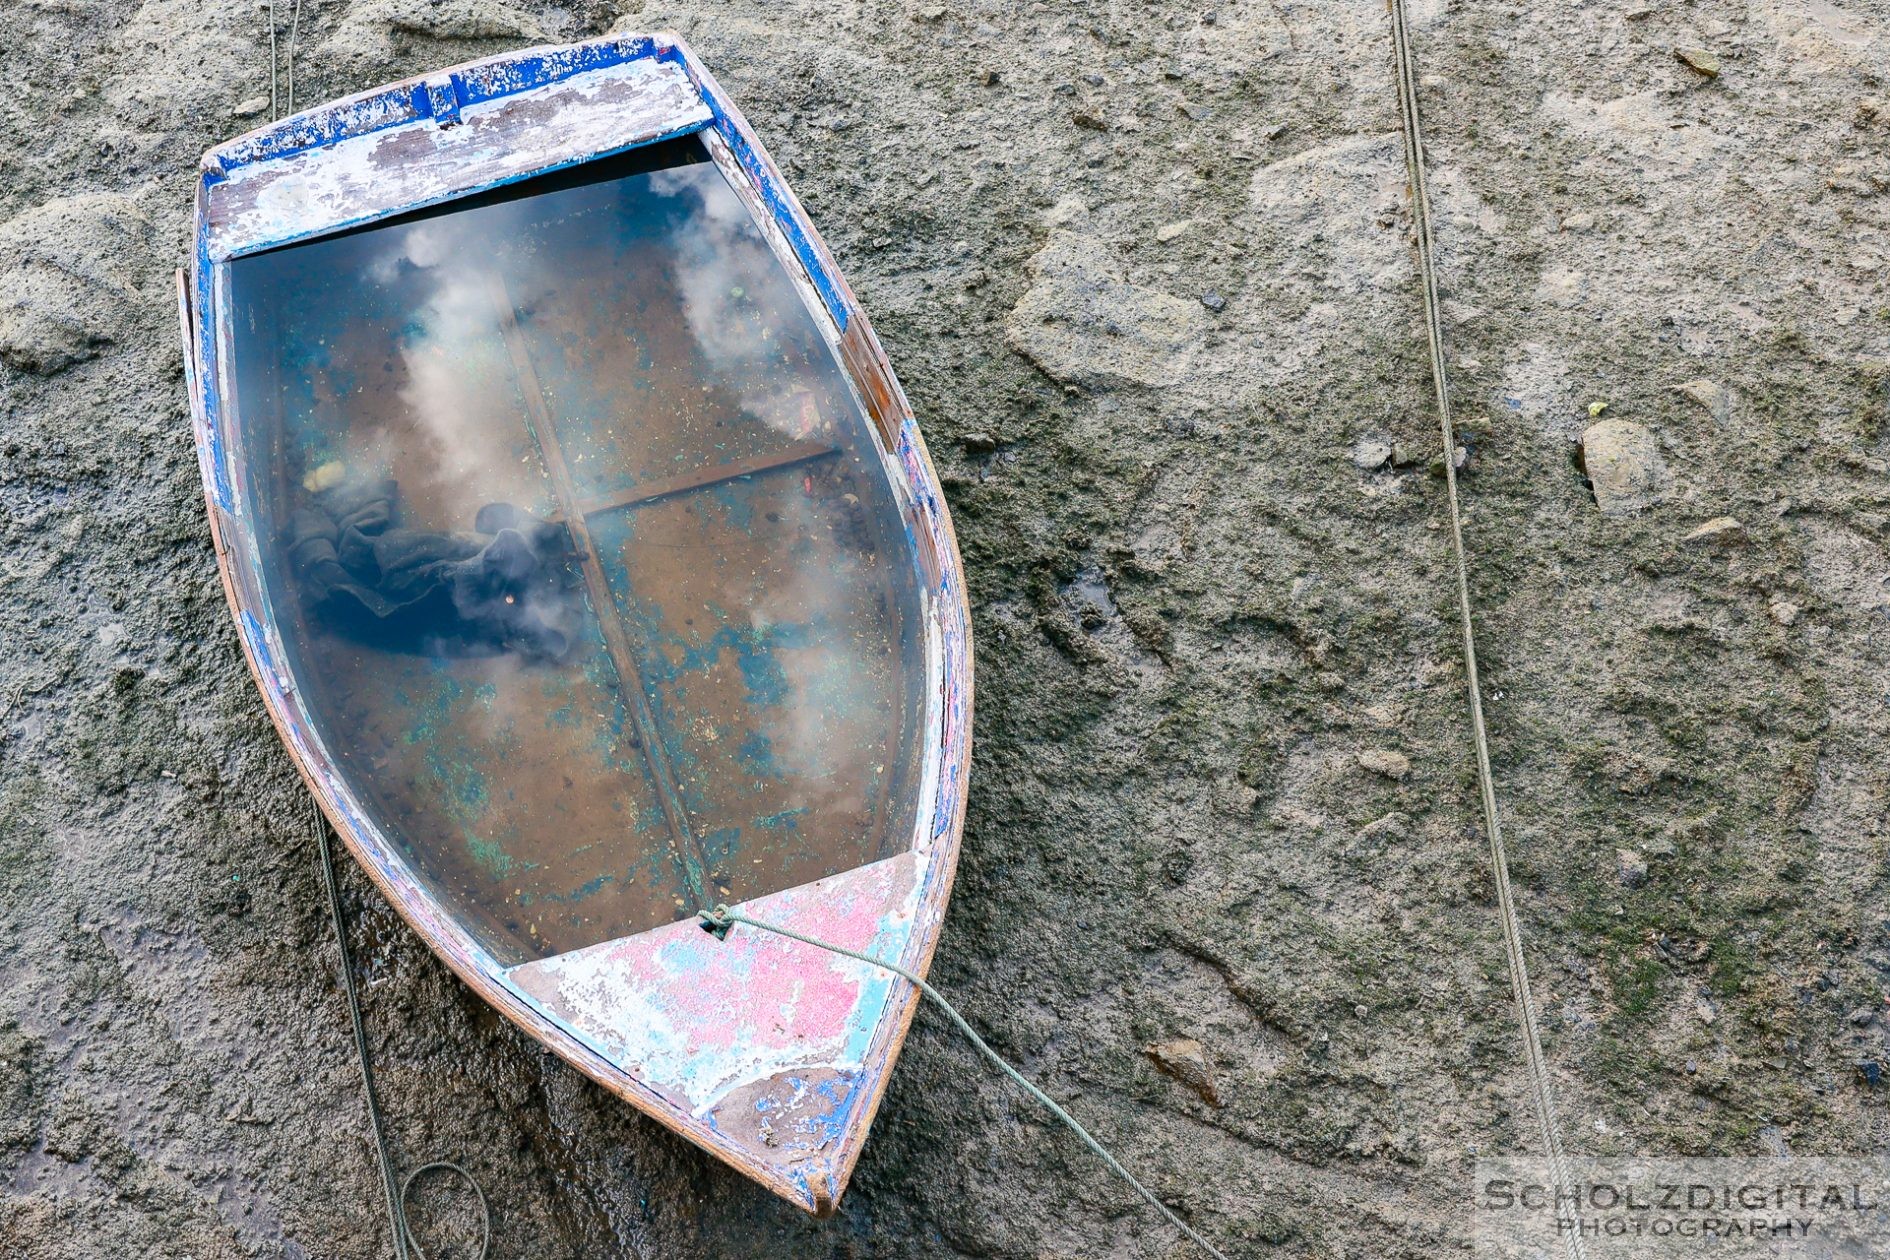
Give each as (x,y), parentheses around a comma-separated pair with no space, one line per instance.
(1784,611)
(71,279)
(1631,866)
(978,443)
(1862,1016)
(1699,60)
(251,107)
(1721,529)
(1459,457)
(1393,765)
(1710,394)
(1186,1060)
(1870,1072)
(1169,231)
(1214,301)
(1369,453)
(1623,464)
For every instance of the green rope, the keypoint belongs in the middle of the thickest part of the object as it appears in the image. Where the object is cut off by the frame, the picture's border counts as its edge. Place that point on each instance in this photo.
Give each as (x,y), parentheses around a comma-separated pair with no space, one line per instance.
(721,919)
(406,1246)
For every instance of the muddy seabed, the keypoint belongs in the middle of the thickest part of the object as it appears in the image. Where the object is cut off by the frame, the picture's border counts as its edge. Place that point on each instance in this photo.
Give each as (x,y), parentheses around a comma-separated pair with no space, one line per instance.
(1144,271)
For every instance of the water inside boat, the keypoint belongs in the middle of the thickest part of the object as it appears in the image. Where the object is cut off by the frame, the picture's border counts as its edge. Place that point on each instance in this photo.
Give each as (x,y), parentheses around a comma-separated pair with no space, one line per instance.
(582,551)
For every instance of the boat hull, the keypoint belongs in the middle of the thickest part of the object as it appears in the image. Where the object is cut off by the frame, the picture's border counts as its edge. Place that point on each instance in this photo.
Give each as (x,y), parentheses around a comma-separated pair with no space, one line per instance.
(769,1054)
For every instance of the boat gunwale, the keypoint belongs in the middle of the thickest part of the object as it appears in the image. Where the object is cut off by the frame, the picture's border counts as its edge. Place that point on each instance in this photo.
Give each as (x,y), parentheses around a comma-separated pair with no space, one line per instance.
(909,469)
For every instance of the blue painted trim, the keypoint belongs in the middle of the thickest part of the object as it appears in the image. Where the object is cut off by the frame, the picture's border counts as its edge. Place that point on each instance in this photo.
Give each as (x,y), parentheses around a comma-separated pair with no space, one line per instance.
(210,387)
(415,99)
(774,195)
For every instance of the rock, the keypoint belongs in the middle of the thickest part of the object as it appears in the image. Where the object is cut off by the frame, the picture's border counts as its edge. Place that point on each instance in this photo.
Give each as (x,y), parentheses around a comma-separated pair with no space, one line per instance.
(1083,323)
(1699,60)
(1405,454)
(1186,1060)
(251,107)
(1169,231)
(1631,867)
(1088,122)
(1622,461)
(70,275)
(1721,529)
(1392,765)
(1863,1016)
(1580,221)
(1715,397)
(1371,452)
(1393,826)
(1846,568)
(1870,1072)
(1783,611)
(1214,301)
(367,31)
(979,443)
(1459,456)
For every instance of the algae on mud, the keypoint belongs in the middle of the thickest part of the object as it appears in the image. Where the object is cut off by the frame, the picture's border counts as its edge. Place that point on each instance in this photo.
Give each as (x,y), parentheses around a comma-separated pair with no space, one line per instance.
(1170,834)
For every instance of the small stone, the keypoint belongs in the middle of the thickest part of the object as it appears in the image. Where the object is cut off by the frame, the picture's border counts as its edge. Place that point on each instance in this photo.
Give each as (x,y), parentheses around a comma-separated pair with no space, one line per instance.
(1214,301)
(1392,765)
(251,107)
(1699,60)
(1169,231)
(1631,866)
(979,443)
(1369,453)
(1459,457)
(1393,826)
(1713,396)
(1580,221)
(1783,611)
(1721,529)
(990,78)
(1862,1016)
(1088,122)
(1623,464)
(1186,1060)
(1404,454)
(1870,1072)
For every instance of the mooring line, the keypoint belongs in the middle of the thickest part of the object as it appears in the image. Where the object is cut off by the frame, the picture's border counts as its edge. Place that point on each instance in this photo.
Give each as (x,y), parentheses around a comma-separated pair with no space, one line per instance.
(406,1246)
(721,919)
(275,78)
(275,110)
(1540,1085)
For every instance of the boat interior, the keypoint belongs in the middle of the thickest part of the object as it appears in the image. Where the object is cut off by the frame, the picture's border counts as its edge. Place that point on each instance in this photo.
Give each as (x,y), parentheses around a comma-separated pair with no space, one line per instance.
(584,557)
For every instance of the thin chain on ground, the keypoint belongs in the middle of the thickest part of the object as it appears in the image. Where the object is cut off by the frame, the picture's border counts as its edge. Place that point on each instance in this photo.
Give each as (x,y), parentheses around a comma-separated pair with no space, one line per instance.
(722,918)
(1536,1064)
(406,1246)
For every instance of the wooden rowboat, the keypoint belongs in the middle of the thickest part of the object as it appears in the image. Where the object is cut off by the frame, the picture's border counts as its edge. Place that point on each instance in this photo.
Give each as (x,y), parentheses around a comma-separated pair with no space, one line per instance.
(592,568)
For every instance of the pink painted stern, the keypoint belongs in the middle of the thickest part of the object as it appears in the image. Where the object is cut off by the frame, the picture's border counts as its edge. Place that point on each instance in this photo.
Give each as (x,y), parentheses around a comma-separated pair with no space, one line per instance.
(763,1050)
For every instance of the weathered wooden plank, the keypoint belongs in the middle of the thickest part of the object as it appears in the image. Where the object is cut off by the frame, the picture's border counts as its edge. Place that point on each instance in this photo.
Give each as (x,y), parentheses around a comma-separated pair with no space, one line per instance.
(624,653)
(426,161)
(702,478)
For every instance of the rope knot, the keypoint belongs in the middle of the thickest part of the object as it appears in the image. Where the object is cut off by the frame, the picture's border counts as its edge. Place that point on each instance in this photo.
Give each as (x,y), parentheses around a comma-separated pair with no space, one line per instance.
(717,922)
